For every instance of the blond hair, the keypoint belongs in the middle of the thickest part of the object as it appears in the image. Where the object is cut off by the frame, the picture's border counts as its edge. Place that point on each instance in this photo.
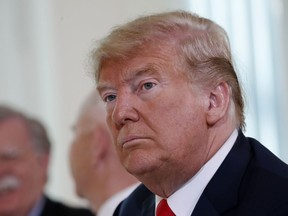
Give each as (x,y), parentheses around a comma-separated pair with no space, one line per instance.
(202,48)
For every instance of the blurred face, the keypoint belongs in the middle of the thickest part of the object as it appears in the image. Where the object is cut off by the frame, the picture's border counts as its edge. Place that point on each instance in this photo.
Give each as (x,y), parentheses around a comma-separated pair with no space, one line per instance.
(156,116)
(22,170)
(80,155)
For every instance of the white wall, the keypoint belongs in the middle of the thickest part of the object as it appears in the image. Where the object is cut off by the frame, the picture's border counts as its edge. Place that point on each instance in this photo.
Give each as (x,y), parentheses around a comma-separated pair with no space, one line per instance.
(43,63)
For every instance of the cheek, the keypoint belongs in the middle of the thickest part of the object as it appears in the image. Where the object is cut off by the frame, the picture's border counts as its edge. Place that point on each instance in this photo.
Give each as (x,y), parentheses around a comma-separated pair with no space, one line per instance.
(180,121)
(170,112)
(75,155)
(79,162)
(112,128)
(29,175)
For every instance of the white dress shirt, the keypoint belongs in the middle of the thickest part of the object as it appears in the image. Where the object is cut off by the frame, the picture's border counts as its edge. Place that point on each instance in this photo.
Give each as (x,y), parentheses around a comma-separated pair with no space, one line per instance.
(38,207)
(184,200)
(109,206)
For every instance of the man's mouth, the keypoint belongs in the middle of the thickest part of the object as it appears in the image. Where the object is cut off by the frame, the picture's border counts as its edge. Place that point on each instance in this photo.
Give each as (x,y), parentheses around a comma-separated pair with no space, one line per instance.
(130,141)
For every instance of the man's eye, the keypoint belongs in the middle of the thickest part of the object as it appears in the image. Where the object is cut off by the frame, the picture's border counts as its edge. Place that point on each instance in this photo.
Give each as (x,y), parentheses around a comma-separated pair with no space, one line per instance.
(148,85)
(10,155)
(110,98)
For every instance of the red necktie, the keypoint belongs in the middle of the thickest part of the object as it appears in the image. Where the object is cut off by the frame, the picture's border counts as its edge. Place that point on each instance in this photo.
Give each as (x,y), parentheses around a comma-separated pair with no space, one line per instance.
(163,209)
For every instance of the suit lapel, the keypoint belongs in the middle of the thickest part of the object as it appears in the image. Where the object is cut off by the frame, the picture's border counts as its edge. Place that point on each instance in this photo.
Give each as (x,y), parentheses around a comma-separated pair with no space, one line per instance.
(149,206)
(141,203)
(221,193)
(204,207)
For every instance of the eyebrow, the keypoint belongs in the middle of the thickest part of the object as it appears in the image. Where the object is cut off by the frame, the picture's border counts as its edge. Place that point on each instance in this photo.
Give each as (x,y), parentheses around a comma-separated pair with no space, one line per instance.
(149,69)
(103,86)
(131,75)
(10,153)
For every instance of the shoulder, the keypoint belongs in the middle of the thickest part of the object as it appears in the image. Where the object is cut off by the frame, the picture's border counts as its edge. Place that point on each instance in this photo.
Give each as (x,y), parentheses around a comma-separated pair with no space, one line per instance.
(250,181)
(264,162)
(55,208)
(265,183)
(260,158)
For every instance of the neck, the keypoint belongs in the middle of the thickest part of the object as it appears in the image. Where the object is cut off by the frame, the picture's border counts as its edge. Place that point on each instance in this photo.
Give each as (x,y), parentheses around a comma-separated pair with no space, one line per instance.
(165,181)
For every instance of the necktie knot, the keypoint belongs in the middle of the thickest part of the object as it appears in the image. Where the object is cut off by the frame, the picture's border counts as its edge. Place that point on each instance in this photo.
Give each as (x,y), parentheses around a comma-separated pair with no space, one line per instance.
(163,209)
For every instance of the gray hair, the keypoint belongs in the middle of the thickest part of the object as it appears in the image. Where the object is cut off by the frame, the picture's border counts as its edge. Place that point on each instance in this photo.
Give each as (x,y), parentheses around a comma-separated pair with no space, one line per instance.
(94,108)
(36,129)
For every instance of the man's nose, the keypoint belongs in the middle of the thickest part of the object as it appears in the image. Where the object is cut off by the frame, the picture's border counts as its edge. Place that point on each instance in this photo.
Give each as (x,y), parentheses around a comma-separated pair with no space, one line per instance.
(125,109)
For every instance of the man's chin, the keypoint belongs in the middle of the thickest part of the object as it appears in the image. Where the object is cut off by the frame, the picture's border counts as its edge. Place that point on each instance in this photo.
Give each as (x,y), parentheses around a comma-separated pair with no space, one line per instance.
(8,201)
(140,166)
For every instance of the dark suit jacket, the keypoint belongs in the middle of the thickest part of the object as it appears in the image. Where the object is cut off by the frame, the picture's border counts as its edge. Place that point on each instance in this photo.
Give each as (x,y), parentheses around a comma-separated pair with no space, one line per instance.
(52,208)
(251,181)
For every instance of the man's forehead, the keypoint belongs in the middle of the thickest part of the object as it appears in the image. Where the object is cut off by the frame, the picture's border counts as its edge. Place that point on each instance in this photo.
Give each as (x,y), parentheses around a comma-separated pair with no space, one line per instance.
(131,69)
(14,136)
(160,51)
(13,121)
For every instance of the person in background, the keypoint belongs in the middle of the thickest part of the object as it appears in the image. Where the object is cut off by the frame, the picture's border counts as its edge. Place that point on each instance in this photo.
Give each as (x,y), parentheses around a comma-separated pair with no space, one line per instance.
(24,159)
(176,113)
(99,176)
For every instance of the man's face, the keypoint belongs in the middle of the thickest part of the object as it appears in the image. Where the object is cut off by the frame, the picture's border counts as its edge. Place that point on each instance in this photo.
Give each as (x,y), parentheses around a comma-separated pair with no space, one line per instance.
(81,153)
(22,170)
(156,116)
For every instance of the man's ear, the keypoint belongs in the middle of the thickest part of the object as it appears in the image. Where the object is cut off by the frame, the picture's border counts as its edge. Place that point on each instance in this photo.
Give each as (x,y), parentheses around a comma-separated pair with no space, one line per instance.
(100,145)
(218,103)
(43,159)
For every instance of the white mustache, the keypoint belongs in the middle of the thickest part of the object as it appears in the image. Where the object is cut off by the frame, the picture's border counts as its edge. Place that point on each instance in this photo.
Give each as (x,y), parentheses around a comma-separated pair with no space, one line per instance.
(8,182)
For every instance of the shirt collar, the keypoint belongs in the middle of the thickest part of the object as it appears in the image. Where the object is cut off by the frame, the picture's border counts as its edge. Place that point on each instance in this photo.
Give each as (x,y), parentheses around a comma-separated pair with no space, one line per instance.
(193,189)
(38,207)
(110,205)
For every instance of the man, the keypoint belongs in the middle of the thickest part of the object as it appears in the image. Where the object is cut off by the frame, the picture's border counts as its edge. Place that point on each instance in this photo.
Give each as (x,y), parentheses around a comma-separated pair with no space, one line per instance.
(24,159)
(175,110)
(97,171)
